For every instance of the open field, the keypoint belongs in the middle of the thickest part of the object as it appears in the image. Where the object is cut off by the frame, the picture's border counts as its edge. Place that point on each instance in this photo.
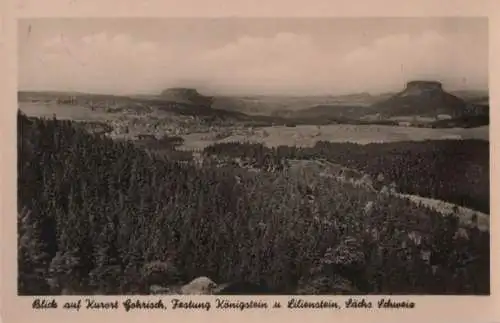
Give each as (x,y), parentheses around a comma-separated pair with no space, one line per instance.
(301,135)
(307,136)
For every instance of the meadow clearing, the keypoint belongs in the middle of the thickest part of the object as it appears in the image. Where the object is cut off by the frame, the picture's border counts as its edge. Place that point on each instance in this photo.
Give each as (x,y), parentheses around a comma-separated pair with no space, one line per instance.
(307,135)
(300,135)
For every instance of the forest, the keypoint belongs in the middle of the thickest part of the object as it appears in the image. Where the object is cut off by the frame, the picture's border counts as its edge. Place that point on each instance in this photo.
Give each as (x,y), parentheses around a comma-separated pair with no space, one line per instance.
(455,171)
(103,217)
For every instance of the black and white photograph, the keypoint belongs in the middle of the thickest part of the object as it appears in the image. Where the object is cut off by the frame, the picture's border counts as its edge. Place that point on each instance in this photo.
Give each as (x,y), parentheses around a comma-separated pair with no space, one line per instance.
(253,156)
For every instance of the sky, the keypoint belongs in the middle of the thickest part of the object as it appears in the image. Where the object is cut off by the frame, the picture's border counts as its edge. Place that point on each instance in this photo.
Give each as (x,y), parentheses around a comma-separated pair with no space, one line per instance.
(245,56)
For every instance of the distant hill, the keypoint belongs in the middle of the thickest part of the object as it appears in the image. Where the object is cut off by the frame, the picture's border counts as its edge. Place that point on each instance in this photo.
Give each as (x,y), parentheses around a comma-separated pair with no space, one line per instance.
(426,103)
(334,111)
(200,111)
(472,95)
(422,98)
(53,95)
(288,106)
(419,99)
(186,95)
(363,96)
(243,104)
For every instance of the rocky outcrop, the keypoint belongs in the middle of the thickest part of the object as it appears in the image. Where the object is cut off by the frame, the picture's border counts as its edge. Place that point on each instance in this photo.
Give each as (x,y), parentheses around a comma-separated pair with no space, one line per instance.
(243,288)
(205,286)
(199,286)
(422,98)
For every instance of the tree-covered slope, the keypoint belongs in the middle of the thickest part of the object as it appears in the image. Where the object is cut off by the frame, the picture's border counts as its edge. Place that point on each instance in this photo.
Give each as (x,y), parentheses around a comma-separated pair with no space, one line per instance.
(103,217)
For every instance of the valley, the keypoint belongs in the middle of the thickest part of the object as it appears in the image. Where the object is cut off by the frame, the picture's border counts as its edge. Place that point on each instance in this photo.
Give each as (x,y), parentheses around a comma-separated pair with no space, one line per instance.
(172,123)
(272,178)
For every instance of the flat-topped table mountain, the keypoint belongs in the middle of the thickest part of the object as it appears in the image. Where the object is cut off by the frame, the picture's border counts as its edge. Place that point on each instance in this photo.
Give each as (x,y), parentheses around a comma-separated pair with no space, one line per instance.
(422,98)
(186,95)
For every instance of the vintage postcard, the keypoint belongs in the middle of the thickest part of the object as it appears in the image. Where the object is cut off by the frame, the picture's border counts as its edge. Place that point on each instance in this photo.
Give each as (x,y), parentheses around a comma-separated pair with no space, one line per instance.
(222,167)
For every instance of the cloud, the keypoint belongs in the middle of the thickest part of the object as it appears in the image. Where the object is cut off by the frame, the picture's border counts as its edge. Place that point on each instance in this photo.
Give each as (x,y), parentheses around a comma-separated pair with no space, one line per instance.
(261,50)
(288,63)
(295,64)
(105,50)
(427,55)
(99,38)
(394,59)
(285,62)
(99,62)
